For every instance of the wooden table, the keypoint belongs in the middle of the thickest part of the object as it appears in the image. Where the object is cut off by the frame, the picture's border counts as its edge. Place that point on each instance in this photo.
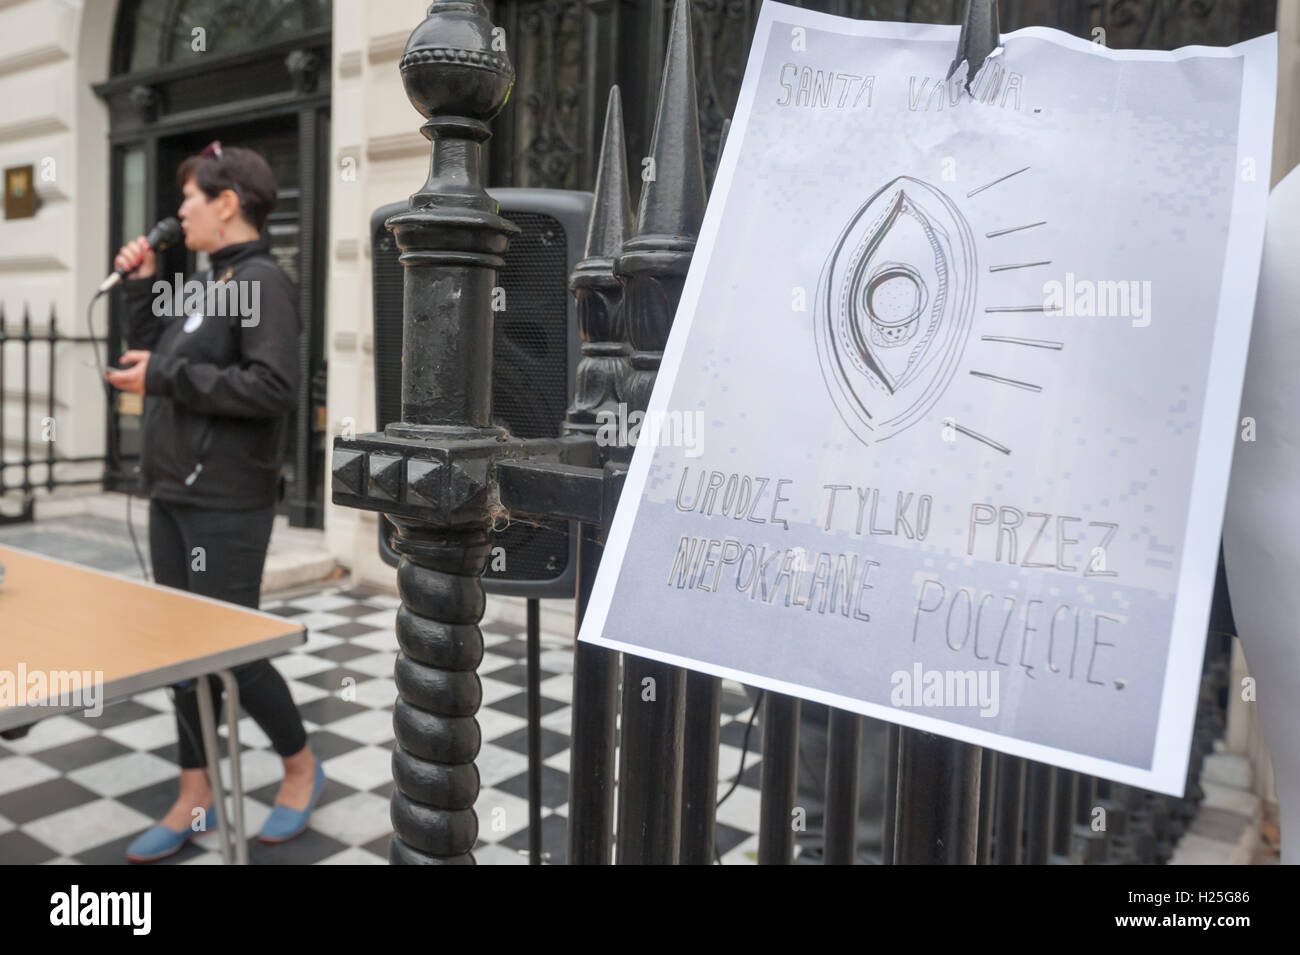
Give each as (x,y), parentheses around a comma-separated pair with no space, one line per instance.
(59,620)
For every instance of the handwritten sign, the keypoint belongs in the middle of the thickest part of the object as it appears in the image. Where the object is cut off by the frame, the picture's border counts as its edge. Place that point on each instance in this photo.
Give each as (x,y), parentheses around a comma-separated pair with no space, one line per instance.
(966,365)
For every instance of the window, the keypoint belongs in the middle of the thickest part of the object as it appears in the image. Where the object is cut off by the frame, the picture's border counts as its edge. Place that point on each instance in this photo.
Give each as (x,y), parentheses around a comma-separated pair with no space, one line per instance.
(164,32)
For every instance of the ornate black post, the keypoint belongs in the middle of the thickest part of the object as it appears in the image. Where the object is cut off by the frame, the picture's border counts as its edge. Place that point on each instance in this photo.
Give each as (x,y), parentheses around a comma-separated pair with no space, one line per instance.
(430,472)
(602,367)
(653,268)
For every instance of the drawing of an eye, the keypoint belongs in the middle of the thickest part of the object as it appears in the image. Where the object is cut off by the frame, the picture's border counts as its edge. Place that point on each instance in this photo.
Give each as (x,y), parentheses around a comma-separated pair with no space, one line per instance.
(895,306)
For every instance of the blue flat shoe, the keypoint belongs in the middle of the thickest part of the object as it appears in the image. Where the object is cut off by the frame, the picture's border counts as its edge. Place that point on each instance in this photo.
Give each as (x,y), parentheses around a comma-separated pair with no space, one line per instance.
(159,842)
(285,823)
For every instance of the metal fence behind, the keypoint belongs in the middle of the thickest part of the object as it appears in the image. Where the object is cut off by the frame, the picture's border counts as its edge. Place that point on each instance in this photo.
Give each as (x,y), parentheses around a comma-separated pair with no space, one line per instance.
(445,471)
(35,465)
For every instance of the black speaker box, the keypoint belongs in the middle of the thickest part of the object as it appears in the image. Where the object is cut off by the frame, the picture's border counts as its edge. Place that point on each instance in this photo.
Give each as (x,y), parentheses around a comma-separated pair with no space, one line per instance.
(534,356)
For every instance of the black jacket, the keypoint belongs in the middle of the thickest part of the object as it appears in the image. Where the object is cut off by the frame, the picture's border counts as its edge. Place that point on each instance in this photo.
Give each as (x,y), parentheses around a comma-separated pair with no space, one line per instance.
(219,387)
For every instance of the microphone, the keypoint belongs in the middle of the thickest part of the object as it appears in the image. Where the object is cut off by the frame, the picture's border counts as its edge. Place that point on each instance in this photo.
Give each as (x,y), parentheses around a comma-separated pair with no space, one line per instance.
(160,236)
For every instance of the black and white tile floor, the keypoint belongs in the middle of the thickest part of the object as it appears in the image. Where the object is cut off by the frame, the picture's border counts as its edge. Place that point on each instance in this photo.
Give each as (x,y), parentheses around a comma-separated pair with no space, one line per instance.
(79,789)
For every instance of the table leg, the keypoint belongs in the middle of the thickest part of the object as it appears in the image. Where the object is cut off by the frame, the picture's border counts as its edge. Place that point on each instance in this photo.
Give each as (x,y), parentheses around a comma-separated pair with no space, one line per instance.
(208,726)
(236,775)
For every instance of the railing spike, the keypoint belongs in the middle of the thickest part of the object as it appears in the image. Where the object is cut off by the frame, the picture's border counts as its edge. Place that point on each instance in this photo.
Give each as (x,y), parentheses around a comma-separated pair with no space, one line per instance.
(611,213)
(673,195)
(980,36)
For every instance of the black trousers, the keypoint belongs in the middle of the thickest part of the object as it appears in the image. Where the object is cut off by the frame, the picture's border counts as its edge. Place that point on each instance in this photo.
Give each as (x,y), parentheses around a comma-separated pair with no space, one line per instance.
(220,554)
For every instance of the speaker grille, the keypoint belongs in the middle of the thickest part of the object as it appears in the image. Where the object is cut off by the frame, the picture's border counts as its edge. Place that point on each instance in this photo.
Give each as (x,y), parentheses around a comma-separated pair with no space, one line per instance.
(530,374)
(530,371)
(388,328)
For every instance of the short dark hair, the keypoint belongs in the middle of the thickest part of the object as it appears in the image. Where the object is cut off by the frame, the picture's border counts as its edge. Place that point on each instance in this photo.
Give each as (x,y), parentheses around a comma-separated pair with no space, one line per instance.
(242,170)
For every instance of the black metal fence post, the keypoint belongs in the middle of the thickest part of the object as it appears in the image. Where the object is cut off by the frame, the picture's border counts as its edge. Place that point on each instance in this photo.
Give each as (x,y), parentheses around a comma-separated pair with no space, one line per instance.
(703,718)
(1090,844)
(890,823)
(653,267)
(1009,813)
(1039,818)
(27,401)
(778,779)
(988,800)
(1064,813)
(601,369)
(843,756)
(938,800)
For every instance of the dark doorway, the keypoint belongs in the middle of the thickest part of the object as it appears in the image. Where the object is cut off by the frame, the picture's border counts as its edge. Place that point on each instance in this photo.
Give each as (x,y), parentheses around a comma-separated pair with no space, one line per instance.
(270,94)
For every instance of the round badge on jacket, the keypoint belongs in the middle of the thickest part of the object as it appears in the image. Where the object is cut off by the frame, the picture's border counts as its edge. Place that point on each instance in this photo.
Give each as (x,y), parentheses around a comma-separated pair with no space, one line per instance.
(192,323)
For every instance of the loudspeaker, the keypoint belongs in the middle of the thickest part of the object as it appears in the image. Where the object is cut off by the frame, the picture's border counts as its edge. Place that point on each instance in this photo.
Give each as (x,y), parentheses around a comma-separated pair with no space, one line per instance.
(534,357)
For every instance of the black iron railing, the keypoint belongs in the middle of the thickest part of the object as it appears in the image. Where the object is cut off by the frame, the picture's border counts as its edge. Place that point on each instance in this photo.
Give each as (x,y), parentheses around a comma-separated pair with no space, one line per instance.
(445,471)
(35,462)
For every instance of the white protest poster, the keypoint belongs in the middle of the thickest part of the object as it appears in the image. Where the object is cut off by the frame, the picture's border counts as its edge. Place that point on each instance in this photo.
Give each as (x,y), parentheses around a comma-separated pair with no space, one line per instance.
(967,369)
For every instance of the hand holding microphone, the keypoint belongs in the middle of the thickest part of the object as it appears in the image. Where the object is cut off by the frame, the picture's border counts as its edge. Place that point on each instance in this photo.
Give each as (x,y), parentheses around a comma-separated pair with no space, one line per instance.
(136,259)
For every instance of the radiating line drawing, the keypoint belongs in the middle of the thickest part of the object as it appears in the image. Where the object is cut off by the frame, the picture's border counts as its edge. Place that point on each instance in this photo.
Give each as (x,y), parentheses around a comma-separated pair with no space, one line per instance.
(1013,382)
(1018,265)
(1032,342)
(990,185)
(896,303)
(1021,308)
(1015,228)
(980,437)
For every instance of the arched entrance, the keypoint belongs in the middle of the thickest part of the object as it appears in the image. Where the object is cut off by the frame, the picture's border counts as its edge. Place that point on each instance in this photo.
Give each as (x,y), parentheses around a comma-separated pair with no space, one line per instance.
(251,73)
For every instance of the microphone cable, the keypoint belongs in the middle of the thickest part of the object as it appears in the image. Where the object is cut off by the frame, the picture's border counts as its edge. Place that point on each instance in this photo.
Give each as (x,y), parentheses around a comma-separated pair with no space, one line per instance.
(101,365)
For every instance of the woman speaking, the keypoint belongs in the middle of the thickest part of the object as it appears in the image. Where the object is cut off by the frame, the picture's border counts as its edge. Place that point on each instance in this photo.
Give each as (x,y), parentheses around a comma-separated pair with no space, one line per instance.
(218,389)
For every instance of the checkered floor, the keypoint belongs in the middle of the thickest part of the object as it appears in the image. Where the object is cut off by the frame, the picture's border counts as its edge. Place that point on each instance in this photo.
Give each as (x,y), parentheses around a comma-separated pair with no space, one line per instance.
(78,790)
